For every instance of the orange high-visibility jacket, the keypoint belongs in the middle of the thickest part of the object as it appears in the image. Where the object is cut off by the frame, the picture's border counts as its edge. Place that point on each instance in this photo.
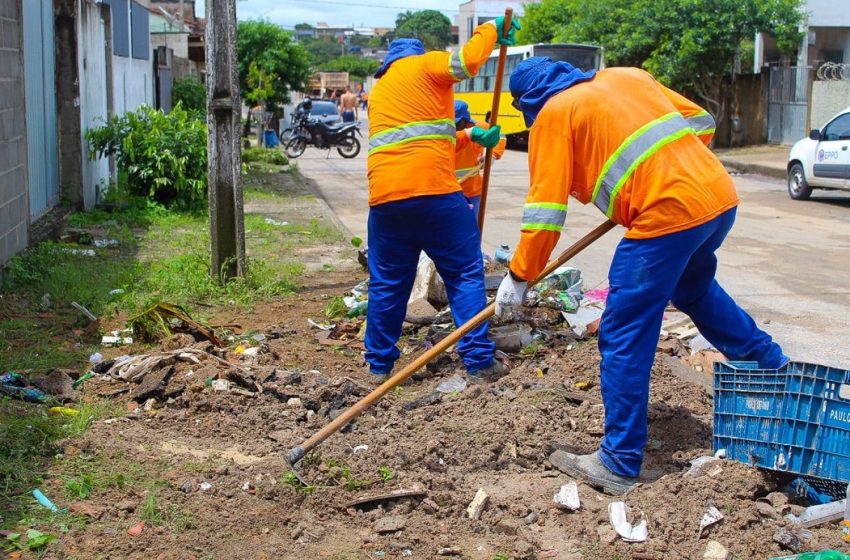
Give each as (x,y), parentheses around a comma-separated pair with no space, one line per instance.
(468,156)
(411,121)
(634,148)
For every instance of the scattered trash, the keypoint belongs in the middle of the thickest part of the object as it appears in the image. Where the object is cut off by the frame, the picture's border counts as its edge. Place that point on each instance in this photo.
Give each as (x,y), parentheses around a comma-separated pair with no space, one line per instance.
(597,295)
(788,540)
(709,518)
(220,385)
(116,291)
(567,497)
(428,283)
(18,386)
(204,486)
(252,351)
(449,551)
(83,378)
(560,290)
(698,466)
(477,505)
(88,314)
(619,513)
(136,529)
(273,222)
(359,448)
(585,321)
(454,384)
(187,487)
(503,254)
(116,338)
(44,501)
(814,516)
(103,243)
(511,338)
(320,326)
(96,358)
(715,551)
(65,411)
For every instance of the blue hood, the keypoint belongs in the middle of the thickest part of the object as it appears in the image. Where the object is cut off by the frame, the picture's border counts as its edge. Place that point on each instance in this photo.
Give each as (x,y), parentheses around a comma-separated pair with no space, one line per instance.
(462,112)
(536,79)
(400,48)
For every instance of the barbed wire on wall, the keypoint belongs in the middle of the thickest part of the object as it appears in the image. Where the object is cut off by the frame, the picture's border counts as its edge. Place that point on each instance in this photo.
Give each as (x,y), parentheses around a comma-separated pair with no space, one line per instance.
(833,72)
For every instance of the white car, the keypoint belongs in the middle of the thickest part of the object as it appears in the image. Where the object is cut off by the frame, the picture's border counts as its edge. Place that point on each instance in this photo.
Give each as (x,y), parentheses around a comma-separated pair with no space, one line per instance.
(821,161)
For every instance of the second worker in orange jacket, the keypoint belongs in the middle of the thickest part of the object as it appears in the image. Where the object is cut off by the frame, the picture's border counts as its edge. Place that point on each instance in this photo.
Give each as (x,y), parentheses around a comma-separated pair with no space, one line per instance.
(469,156)
(415,201)
(639,152)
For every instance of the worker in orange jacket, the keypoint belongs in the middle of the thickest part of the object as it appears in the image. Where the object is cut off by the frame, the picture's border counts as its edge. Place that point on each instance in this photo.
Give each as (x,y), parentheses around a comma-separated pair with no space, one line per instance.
(639,152)
(470,155)
(415,202)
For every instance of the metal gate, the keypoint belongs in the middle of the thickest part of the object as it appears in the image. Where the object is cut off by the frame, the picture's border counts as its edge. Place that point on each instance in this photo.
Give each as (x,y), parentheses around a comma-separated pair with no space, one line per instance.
(40,93)
(787,107)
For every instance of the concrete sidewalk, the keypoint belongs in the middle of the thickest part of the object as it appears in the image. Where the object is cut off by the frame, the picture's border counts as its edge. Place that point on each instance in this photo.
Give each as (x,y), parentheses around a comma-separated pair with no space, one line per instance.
(767,160)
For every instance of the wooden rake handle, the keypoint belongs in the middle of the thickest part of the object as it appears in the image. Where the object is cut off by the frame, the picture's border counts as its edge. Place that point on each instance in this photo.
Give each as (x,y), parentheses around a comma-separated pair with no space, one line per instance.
(296,453)
(494,118)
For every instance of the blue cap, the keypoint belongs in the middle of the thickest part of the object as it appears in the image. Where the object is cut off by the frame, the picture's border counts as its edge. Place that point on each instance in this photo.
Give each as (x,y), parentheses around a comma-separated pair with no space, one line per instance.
(400,48)
(462,112)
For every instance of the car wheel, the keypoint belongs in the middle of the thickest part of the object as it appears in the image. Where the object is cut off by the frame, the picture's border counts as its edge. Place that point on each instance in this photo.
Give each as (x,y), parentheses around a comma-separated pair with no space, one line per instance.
(798,187)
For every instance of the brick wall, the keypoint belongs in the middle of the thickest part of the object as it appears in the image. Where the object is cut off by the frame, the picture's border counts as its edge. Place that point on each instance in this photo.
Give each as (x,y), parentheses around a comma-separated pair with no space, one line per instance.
(14,202)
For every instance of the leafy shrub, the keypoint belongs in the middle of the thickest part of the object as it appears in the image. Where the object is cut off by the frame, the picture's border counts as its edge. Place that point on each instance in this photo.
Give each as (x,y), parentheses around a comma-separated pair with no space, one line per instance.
(163,157)
(265,155)
(189,93)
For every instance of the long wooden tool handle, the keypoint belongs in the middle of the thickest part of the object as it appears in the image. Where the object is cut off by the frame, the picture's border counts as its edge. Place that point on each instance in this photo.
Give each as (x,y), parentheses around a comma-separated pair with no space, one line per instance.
(296,453)
(494,118)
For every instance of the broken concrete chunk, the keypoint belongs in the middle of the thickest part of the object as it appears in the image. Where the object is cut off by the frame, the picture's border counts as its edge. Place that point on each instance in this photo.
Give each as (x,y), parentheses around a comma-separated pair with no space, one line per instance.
(294,402)
(766,510)
(788,540)
(420,312)
(567,497)
(477,505)
(454,384)
(221,385)
(390,524)
(57,383)
(715,551)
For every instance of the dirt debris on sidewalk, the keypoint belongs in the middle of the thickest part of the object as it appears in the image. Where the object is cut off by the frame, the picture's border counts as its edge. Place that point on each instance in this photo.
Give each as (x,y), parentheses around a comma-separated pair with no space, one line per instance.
(398,481)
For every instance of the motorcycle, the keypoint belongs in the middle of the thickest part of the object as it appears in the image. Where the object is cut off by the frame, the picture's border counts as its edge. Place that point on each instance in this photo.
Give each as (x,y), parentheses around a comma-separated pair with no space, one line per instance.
(311,131)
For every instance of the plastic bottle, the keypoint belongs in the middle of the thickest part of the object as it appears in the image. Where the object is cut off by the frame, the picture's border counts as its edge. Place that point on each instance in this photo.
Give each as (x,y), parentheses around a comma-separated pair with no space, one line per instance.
(503,254)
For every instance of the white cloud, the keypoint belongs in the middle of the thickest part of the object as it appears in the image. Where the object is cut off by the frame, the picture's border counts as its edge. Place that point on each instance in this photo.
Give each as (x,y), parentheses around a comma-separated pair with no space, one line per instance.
(358,13)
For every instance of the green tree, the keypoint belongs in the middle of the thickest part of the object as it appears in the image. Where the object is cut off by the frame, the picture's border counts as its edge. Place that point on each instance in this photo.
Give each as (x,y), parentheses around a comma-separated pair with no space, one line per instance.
(260,84)
(321,49)
(689,45)
(272,50)
(357,66)
(190,93)
(429,26)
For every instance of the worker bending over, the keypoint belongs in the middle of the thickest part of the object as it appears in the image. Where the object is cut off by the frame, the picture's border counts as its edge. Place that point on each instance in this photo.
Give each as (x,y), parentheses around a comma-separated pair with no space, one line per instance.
(469,156)
(639,152)
(415,201)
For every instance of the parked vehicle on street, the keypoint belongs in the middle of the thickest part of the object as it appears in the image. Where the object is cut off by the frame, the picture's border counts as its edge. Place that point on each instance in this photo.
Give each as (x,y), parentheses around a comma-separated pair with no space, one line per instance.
(309,130)
(324,111)
(821,161)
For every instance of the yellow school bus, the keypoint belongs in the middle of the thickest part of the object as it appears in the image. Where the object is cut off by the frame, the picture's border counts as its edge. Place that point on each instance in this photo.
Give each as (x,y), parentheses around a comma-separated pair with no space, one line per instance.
(478,91)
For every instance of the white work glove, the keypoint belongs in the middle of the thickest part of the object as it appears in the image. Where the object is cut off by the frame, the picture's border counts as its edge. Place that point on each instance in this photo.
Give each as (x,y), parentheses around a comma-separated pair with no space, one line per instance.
(510,295)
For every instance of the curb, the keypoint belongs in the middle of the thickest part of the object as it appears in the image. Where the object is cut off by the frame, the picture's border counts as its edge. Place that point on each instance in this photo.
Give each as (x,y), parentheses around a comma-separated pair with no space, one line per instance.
(754,168)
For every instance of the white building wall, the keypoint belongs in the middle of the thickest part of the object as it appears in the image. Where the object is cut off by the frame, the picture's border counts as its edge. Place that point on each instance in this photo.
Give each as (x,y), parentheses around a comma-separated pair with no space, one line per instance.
(133,79)
(93,96)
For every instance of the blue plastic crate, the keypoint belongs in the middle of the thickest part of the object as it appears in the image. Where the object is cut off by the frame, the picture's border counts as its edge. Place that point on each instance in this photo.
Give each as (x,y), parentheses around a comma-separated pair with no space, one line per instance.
(795,419)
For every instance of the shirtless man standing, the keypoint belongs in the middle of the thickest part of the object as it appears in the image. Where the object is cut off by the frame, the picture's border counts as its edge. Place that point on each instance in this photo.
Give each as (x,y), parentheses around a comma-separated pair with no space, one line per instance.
(348,105)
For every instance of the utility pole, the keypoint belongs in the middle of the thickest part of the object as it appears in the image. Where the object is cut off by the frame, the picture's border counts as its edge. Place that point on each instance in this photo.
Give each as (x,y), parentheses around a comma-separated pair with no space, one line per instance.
(224,156)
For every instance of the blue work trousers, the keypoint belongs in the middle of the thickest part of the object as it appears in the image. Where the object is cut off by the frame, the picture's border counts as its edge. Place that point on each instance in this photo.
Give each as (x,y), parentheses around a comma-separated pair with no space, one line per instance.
(447,231)
(645,274)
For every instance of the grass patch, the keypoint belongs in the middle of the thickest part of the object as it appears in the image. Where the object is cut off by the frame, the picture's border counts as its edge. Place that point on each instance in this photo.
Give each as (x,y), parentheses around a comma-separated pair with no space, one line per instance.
(264,155)
(28,436)
(37,344)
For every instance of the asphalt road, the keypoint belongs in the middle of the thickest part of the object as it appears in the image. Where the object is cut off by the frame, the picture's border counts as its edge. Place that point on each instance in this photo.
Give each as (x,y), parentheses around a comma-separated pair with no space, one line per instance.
(786,262)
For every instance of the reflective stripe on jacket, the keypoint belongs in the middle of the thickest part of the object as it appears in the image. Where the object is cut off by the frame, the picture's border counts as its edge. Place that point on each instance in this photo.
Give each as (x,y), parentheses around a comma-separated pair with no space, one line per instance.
(632,147)
(467,158)
(411,121)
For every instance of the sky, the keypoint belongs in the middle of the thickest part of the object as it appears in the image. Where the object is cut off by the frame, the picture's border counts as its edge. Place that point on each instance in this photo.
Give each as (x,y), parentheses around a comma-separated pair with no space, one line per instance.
(357,13)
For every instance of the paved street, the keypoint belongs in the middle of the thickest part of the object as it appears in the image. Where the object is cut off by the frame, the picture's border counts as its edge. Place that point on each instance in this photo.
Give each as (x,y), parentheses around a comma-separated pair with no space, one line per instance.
(786,262)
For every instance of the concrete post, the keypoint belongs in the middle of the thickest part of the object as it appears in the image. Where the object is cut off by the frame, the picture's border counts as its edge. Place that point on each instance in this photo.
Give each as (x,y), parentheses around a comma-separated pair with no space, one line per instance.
(224,166)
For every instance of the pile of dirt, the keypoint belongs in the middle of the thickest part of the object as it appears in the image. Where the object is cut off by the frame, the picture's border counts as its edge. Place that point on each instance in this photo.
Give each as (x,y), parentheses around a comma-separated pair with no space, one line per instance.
(397,481)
